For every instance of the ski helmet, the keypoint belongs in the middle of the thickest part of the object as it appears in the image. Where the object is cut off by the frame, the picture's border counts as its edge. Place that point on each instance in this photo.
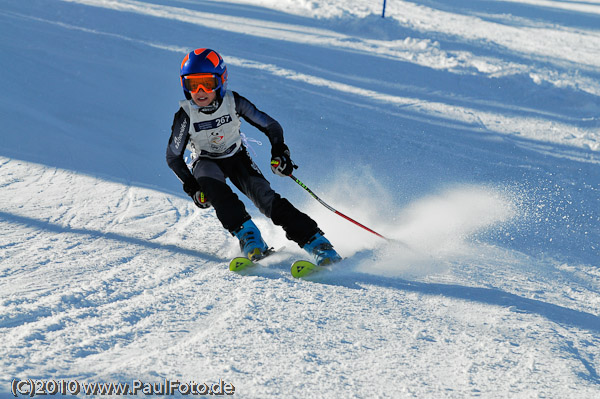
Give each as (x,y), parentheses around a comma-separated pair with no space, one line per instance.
(204,61)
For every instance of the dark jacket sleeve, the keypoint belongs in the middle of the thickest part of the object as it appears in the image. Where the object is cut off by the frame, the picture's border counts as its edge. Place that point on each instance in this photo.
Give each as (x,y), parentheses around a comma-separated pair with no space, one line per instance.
(260,120)
(180,134)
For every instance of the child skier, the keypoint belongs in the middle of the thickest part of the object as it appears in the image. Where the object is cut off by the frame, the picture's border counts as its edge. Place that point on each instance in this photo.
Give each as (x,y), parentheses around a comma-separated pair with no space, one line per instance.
(208,123)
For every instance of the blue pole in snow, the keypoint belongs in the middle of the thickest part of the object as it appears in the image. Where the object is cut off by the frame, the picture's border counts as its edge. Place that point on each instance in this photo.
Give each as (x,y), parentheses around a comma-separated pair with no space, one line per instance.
(383,12)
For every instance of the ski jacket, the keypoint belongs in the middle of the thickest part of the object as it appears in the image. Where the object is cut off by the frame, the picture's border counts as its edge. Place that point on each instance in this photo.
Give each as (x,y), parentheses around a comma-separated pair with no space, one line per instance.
(214,135)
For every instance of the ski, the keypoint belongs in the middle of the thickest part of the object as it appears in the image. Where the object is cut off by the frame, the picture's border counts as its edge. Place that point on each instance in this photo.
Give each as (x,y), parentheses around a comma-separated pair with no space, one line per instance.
(299,269)
(240,263)
(304,268)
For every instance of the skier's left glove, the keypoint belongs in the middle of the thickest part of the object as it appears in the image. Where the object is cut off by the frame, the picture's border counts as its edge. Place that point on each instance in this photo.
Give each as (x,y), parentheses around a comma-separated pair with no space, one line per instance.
(281,163)
(200,200)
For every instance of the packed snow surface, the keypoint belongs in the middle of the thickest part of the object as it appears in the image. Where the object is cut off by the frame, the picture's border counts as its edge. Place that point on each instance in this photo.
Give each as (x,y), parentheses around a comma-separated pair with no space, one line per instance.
(467,132)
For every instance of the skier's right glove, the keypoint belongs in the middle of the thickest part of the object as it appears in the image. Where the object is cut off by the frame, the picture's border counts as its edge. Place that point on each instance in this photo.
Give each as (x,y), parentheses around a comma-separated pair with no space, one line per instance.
(190,187)
(200,200)
(281,163)
(193,189)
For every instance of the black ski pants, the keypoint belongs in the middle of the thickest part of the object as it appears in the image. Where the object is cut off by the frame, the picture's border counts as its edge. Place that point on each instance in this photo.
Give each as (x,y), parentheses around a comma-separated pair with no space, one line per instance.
(241,170)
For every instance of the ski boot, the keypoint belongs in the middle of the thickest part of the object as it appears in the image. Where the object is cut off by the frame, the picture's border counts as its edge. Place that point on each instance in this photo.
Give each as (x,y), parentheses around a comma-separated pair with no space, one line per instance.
(251,242)
(322,250)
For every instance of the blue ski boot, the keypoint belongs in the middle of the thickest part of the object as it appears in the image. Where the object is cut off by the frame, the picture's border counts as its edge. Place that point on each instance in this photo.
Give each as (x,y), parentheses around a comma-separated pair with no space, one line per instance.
(322,250)
(251,242)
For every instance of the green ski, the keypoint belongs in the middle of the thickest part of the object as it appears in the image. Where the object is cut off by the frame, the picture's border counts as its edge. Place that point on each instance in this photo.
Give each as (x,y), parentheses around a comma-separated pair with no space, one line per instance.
(240,263)
(304,268)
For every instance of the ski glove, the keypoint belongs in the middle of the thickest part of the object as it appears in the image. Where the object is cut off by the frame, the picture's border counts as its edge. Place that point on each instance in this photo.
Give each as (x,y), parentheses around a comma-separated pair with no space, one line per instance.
(200,200)
(190,187)
(281,163)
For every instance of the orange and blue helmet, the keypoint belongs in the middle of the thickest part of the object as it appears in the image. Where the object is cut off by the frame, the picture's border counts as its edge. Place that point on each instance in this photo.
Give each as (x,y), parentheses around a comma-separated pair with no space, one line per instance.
(203,69)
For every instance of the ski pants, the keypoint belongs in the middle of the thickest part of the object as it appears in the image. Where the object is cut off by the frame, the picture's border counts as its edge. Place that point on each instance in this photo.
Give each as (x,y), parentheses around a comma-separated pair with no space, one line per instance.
(241,170)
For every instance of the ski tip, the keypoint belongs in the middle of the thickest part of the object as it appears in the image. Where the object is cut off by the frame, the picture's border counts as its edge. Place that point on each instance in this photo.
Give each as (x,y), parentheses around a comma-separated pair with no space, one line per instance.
(304,268)
(238,264)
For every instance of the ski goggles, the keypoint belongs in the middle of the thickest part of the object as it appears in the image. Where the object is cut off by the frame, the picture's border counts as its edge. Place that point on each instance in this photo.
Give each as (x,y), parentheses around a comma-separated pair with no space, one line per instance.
(207,82)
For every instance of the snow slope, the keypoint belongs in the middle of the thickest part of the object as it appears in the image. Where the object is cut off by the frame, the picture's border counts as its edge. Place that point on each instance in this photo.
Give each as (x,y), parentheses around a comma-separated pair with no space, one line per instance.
(467,129)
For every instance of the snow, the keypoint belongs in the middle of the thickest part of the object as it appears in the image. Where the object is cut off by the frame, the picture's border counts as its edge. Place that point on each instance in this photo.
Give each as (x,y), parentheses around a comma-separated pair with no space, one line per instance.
(468,131)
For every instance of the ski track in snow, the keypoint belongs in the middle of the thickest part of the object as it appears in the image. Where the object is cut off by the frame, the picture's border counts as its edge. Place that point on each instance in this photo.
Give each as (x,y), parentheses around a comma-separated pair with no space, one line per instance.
(107,278)
(121,302)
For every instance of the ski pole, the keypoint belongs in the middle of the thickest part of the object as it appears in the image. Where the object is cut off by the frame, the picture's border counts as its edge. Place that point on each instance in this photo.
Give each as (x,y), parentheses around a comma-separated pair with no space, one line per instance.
(334,210)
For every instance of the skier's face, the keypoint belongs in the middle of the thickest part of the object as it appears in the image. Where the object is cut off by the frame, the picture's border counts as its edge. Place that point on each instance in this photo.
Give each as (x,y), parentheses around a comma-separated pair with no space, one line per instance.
(203,99)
